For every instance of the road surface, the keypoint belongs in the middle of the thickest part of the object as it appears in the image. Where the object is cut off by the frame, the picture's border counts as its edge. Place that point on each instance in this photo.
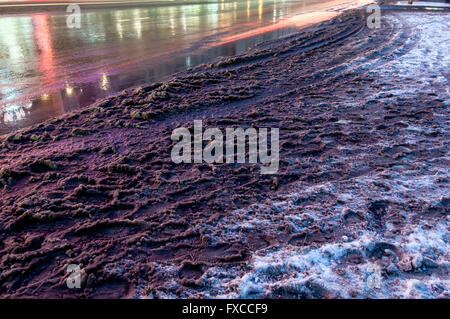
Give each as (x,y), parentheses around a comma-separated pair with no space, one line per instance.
(47,69)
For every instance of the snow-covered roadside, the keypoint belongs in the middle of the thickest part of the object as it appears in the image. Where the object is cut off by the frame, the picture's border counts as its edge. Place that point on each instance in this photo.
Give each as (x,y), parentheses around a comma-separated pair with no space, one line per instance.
(325,271)
(411,253)
(379,259)
(411,262)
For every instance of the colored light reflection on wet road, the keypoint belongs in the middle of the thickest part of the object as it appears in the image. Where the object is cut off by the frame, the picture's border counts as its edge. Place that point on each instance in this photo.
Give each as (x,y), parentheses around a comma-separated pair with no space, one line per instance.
(47,69)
